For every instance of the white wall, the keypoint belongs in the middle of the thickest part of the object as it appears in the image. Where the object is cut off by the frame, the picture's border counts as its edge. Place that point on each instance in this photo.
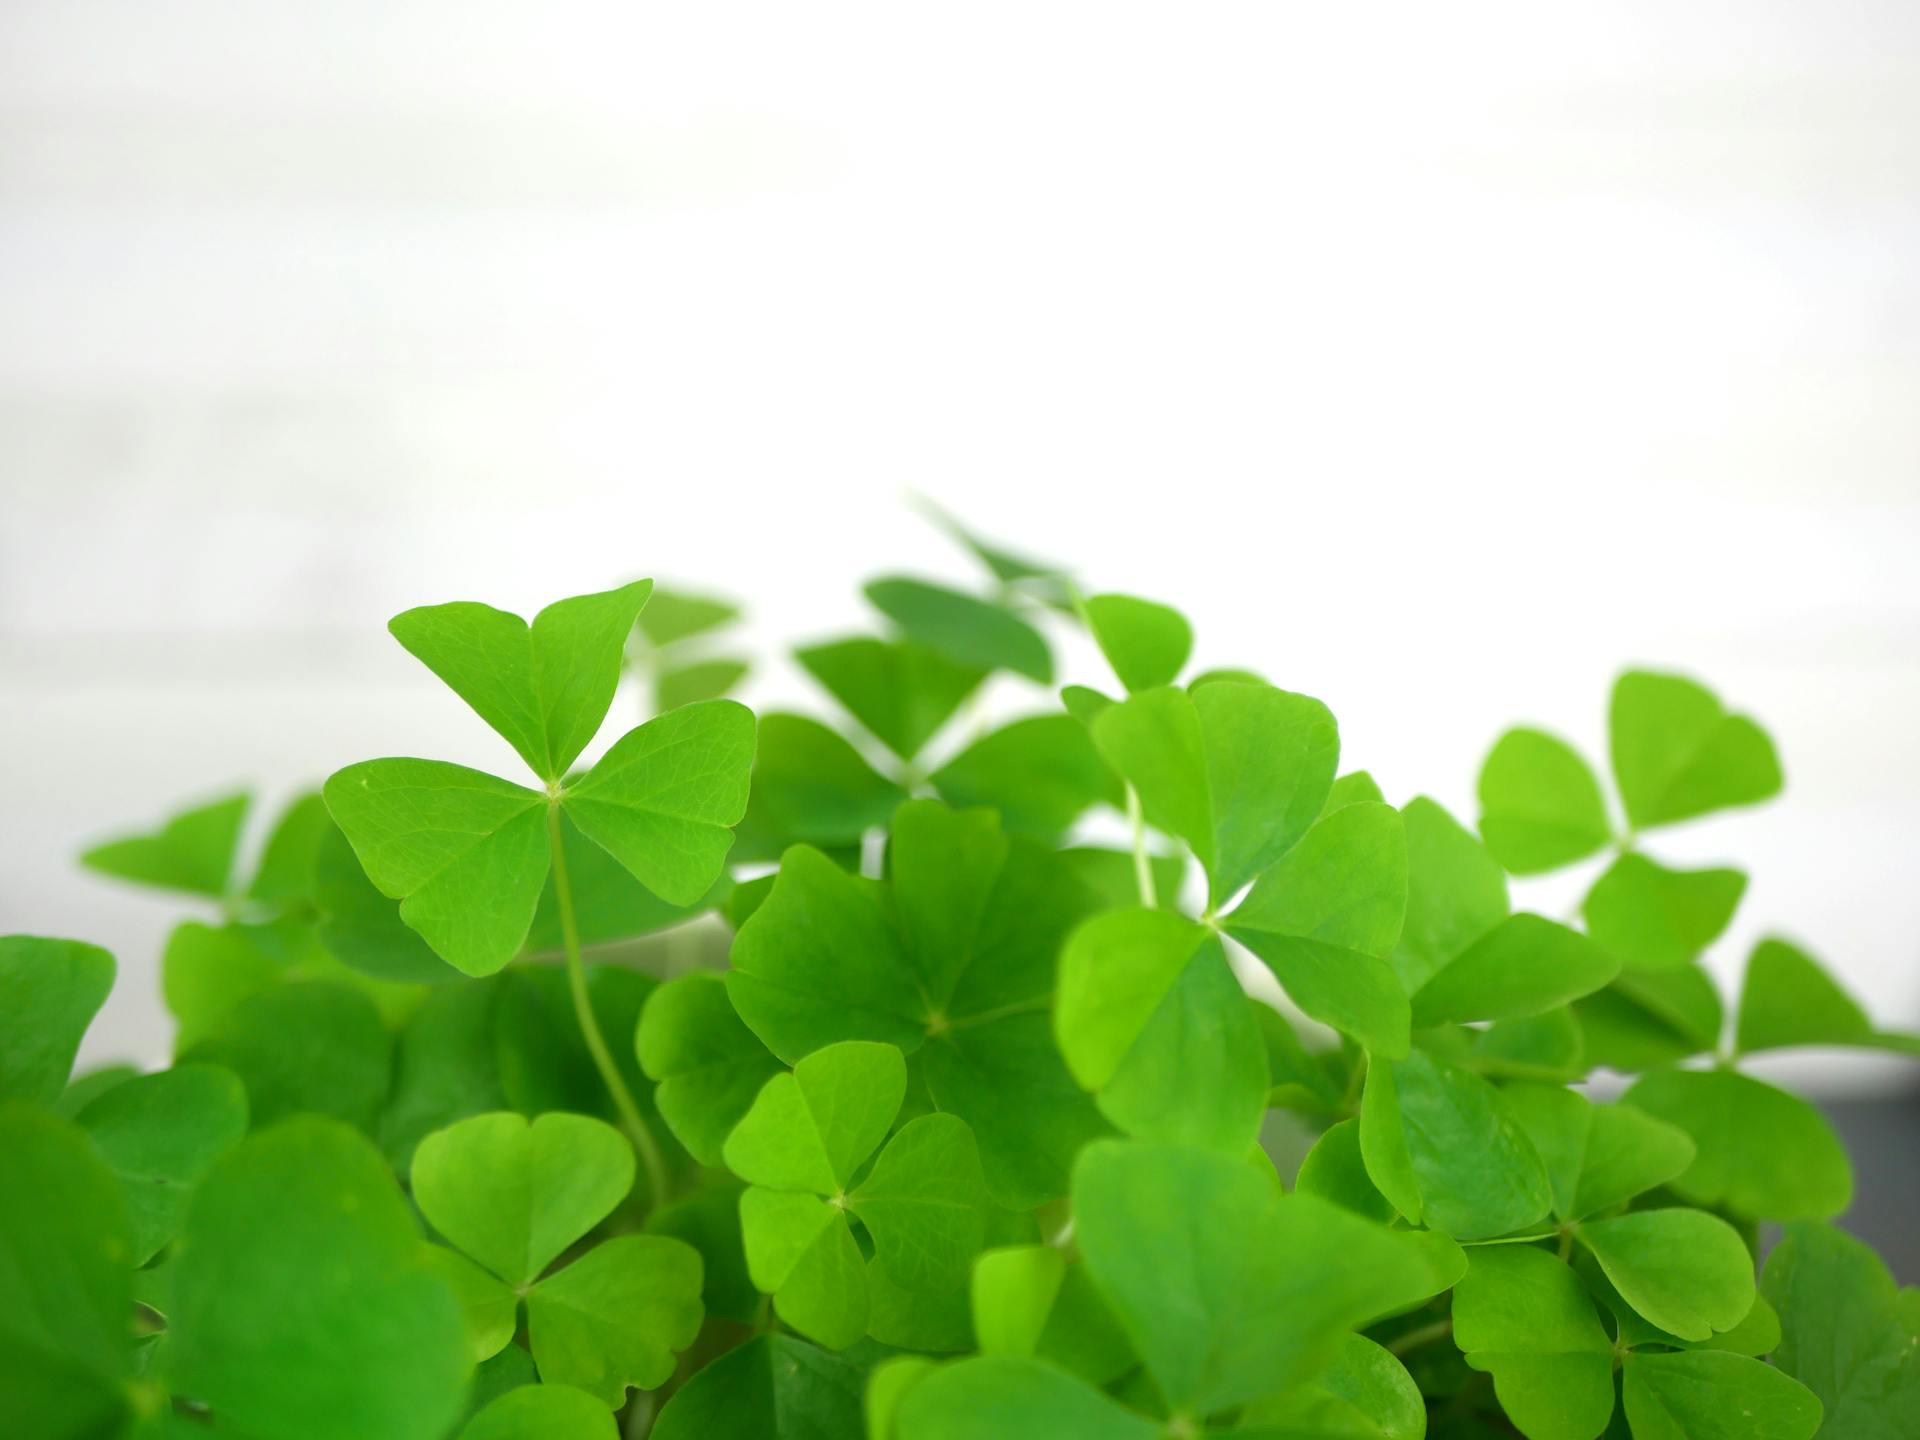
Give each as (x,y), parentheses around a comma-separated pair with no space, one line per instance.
(1437,359)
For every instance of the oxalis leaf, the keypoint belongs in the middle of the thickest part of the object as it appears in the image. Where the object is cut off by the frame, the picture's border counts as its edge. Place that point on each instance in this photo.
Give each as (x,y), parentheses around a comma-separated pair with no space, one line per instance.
(467,854)
(514,1195)
(1677,753)
(953,960)
(800,1146)
(774,1387)
(1523,1317)
(375,1348)
(53,989)
(1228,1289)
(1540,806)
(1239,771)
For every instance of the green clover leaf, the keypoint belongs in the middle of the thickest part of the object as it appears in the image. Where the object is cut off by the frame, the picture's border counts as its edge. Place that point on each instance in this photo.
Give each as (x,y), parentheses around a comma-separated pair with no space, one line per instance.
(707,1066)
(542,1412)
(1678,753)
(53,990)
(971,632)
(1239,771)
(1540,806)
(1788,999)
(1654,918)
(774,1387)
(193,851)
(902,691)
(514,1196)
(1147,644)
(1525,965)
(1041,773)
(1523,1317)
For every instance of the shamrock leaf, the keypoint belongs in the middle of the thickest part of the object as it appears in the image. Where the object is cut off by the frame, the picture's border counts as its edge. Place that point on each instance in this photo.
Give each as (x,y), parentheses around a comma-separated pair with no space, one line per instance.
(514,1195)
(670,616)
(774,1387)
(66,1348)
(54,988)
(1327,915)
(1336,1170)
(1685,1271)
(1440,1144)
(902,691)
(1714,1395)
(1524,965)
(1540,807)
(706,1065)
(992,1396)
(1150,1017)
(467,854)
(1365,1392)
(1842,1331)
(1762,1153)
(1649,1018)
(677,685)
(375,1347)
(1029,1301)
(1239,771)
(542,1412)
(810,786)
(800,1146)
(1597,1156)
(1654,918)
(192,851)
(969,631)
(544,687)
(162,1134)
(1456,892)
(314,1046)
(1522,1316)
(1677,753)
(1789,1000)
(359,926)
(1146,643)
(1042,774)
(1228,1289)
(709,1221)
(965,977)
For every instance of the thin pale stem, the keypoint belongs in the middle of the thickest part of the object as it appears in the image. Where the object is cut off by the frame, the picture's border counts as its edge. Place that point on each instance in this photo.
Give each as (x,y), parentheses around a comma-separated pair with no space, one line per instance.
(1142,863)
(1425,1334)
(630,1116)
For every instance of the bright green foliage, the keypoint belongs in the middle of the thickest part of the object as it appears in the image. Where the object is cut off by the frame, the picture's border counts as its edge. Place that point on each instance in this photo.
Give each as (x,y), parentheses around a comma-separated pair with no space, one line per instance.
(1685,1271)
(954,960)
(53,988)
(811,787)
(1327,915)
(774,1387)
(1146,643)
(375,1348)
(66,1347)
(1652,918)
(707,1066)
(161,1134)
(544,687)
(922,1109)
(1540,807)
(1042,774)
(966,630)
(514,1196)
(1441,1145)
(1847,1332)
(1712,1395)
(1227,1288)
(1524,965)
(1789,1000)
(1238,771)
(1456,892)
(192,852)
(902,691)
(800,1147)
(1762,1154)
(1678,753)
(1523,1317)
(543,1412)
(1150,1017)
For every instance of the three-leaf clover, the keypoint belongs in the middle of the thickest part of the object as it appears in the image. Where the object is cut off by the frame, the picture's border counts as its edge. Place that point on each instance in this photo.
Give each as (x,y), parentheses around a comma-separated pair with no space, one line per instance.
(802,1147)
(466,853)
(513,1196)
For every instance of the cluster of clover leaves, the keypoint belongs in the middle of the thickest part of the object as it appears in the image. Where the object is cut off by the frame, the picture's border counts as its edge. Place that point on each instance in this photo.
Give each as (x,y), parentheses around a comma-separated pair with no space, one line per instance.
(761,1081)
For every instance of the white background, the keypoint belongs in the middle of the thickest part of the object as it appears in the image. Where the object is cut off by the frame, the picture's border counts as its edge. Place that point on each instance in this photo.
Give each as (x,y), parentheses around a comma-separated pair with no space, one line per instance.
(1438,360)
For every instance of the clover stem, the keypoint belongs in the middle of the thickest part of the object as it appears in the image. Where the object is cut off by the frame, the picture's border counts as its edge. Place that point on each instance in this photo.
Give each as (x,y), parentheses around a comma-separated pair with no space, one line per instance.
(1414,1339)
(635,1122)
(1142,867)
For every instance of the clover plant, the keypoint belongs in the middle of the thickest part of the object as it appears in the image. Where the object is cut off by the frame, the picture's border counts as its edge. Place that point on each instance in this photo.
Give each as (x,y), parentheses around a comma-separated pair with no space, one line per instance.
(896,1074)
